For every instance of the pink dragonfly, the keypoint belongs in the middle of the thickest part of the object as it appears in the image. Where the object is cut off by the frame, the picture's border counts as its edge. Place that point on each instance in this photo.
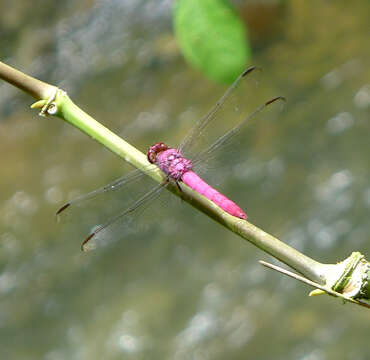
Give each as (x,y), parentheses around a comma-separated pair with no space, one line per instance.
(176,163)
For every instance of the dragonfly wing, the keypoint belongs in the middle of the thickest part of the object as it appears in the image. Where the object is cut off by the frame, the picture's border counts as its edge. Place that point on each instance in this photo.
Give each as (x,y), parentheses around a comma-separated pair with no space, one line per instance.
(232,140)
(101,206)
(239,100)
(115,185)
(228,158)
(220,137)
(107,232)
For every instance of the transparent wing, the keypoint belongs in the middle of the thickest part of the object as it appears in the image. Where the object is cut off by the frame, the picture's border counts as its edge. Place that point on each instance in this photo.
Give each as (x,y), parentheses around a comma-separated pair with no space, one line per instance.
(220,137)
(115,185)
(239,100)
(118,206)
(102,234)
(232,138)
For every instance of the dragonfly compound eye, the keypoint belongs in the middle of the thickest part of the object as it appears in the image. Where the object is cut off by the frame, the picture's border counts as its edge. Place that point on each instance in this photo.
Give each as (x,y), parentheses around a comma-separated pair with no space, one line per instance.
(154,150)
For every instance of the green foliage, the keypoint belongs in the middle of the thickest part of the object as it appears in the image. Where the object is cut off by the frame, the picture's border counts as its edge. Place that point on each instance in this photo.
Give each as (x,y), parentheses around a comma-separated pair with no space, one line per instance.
(212,38)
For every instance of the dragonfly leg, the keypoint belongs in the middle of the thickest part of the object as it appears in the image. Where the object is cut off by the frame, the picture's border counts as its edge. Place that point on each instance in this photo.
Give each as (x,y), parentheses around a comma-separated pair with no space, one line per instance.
(180,190)
(178,186)
(168,180)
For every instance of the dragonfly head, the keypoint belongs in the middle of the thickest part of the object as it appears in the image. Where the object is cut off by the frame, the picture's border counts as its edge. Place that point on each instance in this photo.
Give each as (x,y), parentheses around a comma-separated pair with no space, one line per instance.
(154,150)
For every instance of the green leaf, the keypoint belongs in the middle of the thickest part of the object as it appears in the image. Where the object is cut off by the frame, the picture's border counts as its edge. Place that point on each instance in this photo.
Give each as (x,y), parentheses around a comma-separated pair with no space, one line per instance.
(212,38)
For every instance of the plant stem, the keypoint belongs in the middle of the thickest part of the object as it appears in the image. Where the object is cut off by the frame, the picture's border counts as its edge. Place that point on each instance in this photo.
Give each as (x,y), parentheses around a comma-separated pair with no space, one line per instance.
(266,242)
(64,108)
(34,87)
(71,113)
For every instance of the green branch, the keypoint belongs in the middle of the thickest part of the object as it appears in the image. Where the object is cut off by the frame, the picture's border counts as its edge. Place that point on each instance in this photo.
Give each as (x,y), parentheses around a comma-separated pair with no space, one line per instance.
(53,101)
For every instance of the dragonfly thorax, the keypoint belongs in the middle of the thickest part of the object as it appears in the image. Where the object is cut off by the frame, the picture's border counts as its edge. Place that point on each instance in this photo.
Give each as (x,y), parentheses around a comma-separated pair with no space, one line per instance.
(169,160)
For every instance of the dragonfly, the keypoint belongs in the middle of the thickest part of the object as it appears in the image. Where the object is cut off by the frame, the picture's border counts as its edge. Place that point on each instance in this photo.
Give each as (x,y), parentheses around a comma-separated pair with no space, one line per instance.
(182,164)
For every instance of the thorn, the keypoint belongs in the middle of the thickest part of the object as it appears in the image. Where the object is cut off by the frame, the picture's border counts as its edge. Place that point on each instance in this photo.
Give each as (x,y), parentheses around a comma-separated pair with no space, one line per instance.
(38,104)
(317,292)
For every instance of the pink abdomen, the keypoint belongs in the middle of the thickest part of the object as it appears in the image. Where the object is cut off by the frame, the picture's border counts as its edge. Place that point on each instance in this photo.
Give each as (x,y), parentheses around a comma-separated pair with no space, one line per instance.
(191,179)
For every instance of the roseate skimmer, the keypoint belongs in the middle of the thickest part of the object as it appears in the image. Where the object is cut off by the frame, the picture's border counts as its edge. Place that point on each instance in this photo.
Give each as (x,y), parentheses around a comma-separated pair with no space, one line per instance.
(178,163)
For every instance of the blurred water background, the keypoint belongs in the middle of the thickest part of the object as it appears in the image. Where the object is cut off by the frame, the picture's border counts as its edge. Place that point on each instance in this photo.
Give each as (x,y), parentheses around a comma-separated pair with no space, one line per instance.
(184,288)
